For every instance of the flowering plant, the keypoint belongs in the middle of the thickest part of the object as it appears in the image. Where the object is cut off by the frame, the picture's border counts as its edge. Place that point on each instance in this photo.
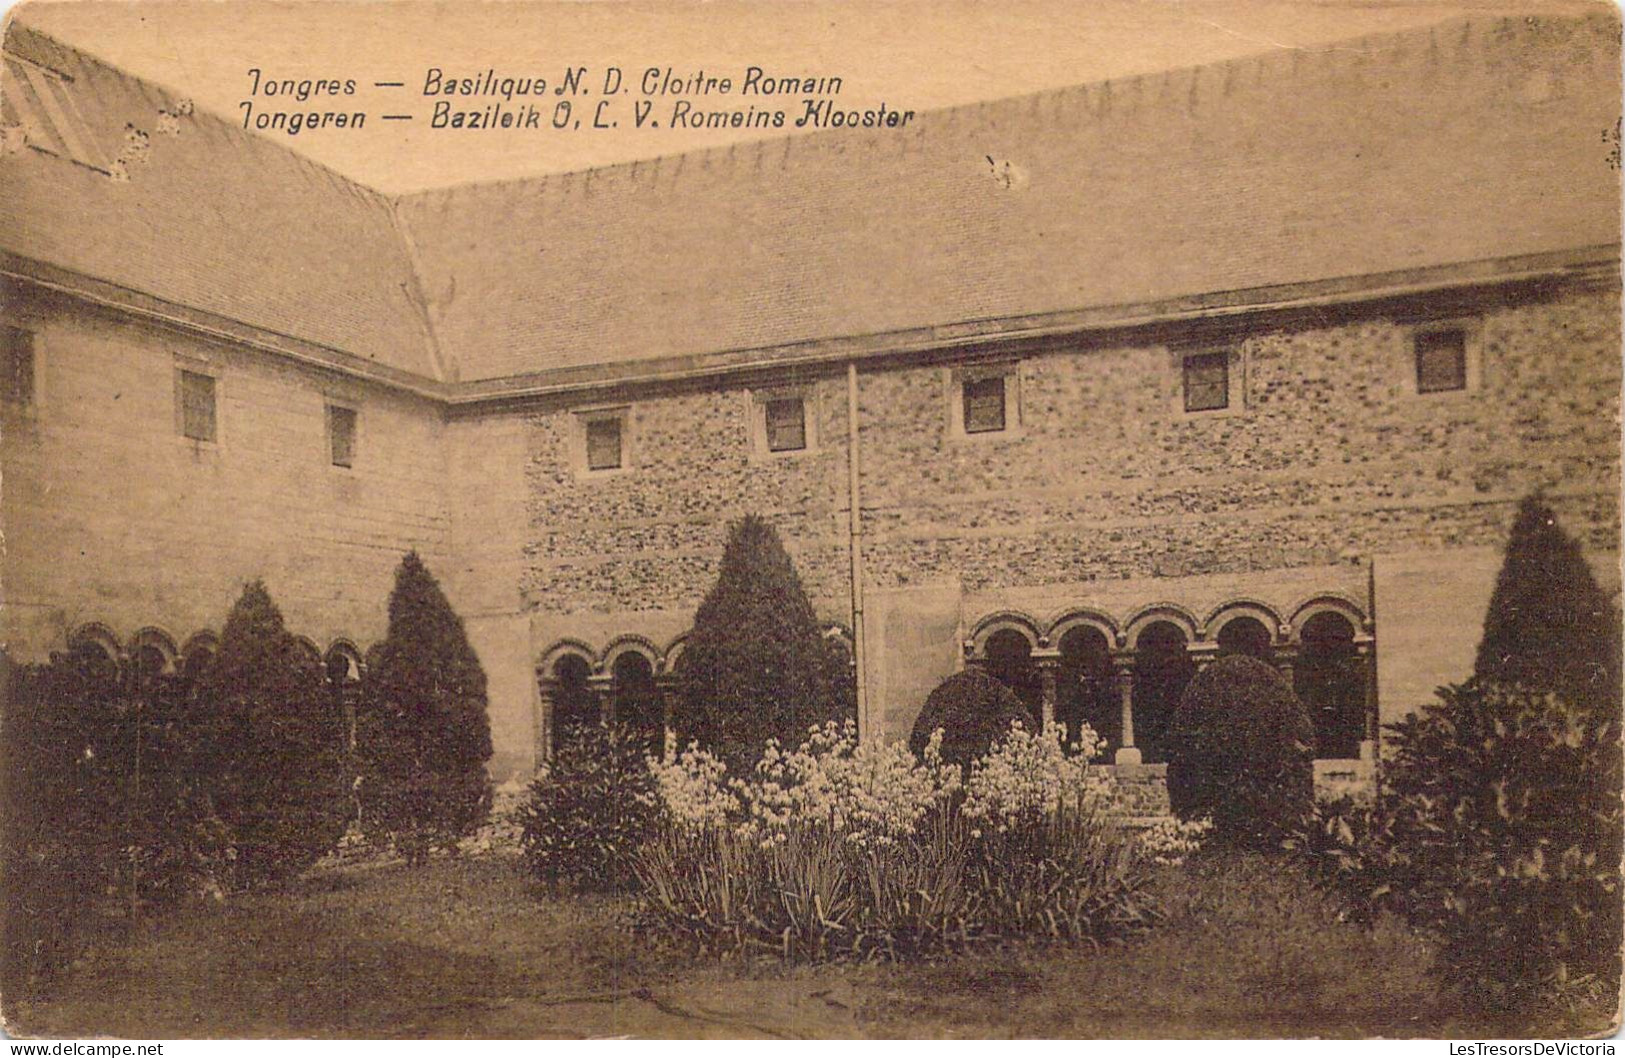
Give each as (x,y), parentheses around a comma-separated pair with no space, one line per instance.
(1030,776)
(872,792)
(1170,841)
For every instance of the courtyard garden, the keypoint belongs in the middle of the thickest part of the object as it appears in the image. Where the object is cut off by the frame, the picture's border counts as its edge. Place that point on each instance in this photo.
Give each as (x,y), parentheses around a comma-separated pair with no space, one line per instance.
(767,873)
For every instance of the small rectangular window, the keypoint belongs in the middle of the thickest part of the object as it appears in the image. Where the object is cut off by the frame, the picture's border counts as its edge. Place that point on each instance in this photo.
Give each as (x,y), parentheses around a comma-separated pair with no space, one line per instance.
(1207,382)
(984,405)
(1441,361)
(197,406)
(603,444)
(341,435)
(786,425)
(17,366)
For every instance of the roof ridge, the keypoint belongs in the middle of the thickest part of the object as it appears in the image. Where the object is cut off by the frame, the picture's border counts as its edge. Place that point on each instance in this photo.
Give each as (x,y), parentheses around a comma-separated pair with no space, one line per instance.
(1111,88)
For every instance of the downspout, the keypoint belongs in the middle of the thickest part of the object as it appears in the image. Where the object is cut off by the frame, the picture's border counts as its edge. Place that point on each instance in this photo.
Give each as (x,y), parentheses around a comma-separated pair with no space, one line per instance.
(855,522)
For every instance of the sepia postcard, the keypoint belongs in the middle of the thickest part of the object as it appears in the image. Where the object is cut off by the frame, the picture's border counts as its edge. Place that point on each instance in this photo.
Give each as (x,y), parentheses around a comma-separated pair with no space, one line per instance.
(746,519)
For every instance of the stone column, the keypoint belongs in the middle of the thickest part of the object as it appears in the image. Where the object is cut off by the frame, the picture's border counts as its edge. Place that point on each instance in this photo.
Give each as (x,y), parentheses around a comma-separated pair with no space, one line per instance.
(544,720)
(1124,665)
(1366,657)
(602,686)
(1048,661)
(1286,657)
(1202,655)
(666,684)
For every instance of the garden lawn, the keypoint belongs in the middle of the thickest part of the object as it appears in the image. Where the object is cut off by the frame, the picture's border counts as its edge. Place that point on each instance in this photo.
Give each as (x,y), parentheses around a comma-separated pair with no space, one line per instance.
(465,948)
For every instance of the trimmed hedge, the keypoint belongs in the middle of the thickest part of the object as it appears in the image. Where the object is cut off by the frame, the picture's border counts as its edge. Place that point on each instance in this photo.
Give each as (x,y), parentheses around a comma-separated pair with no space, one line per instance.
(1241,752)
(974,711)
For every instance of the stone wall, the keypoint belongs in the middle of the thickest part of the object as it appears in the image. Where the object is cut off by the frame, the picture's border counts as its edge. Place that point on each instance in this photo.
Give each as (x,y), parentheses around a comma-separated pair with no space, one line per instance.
(1328,476)
(111,517)
(1332,455)
(1106,494)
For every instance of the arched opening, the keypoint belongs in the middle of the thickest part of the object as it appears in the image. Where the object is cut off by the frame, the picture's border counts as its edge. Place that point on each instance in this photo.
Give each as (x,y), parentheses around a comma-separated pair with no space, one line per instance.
(1162,668)
(343,672)
(1086,687)
(1009,659)
(96,665)
(1330,681)
(148,666)
(196,665)
(637,702)
(1245,635)
(573,701)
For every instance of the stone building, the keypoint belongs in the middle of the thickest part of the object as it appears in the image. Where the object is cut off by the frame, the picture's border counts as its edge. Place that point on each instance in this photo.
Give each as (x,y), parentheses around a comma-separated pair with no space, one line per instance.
(1253,357)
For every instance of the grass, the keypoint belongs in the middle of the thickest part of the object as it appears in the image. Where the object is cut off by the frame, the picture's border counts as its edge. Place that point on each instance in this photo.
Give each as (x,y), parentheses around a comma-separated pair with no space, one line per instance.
(466,948)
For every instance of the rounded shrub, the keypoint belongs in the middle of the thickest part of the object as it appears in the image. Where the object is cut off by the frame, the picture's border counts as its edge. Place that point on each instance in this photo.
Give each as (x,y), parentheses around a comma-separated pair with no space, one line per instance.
(1240,752)
(974,711)
(589,811)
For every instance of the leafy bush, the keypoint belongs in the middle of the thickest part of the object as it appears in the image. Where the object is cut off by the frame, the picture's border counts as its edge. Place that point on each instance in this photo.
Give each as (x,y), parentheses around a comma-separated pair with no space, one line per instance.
(272,753)
(103,807)
(859,849)
(589,810)
(1240,752)
(755,667)
(1549,625)
(422,734)
(973,710)
(1500,829)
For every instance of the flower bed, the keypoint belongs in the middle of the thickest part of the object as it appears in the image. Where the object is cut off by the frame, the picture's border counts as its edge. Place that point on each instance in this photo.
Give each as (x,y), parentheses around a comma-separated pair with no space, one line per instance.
(841,848)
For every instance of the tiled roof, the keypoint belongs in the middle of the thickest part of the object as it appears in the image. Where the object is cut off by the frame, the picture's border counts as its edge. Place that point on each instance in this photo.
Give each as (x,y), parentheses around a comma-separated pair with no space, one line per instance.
(1479,139)
(215,218)
(1475,140)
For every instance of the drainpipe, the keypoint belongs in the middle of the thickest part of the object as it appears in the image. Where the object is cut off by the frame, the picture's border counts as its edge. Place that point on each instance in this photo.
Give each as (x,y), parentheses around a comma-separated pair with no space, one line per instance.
(855,522)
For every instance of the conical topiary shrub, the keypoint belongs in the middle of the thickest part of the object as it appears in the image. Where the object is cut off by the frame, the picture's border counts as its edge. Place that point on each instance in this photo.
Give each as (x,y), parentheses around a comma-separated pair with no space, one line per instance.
(422,734)
(274,749)
(1549,626)
(756,666)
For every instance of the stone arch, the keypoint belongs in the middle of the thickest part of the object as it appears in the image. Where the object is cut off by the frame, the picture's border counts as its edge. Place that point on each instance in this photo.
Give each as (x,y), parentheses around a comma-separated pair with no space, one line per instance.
(635,701)
(674,651)
(308,653)
(1328,602)
(1171,613)
(97,651)
(96,634)
(198,655)
(629,644)
(344,664)
(159,642)
(564,677)
(1162,668)
(1086,690)
(1233,609)
(1004,620)
(205,640)
(561,648)
(1331,677)
(1006,654)
(1069,620)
